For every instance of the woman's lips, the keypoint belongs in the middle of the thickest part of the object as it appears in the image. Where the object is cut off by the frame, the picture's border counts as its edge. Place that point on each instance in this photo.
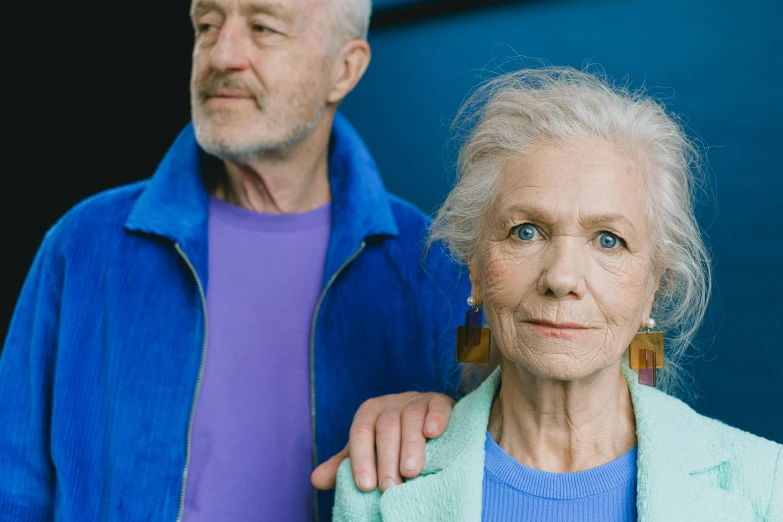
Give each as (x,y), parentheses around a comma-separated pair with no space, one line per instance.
(557,330)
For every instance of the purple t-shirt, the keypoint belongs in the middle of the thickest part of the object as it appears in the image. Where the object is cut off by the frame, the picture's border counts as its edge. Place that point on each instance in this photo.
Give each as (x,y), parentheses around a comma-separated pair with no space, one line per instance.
(252,449)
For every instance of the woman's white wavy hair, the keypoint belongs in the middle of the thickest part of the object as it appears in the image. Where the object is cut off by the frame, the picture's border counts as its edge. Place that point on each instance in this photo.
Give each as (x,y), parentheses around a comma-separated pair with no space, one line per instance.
(509,114)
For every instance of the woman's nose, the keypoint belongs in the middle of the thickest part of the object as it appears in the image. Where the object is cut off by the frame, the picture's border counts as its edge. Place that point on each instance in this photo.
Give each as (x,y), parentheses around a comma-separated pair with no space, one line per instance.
(565,267)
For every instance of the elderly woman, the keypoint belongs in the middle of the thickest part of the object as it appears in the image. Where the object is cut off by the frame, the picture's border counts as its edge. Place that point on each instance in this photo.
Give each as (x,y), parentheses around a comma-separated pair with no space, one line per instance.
(573,212)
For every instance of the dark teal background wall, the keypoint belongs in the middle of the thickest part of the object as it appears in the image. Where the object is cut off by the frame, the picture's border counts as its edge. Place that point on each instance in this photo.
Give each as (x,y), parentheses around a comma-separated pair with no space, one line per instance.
(718,62)
(97,90)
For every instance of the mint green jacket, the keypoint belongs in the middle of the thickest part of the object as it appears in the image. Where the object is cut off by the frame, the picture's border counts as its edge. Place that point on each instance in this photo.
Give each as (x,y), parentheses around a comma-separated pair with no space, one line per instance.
(690,468)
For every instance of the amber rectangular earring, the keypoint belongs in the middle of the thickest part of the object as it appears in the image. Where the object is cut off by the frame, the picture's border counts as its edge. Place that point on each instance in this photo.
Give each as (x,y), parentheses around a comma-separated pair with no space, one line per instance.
(646,354)
(473,339)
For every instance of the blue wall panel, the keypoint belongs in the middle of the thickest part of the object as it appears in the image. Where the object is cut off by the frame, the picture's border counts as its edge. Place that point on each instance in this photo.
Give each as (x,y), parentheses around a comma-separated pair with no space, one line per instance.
(381,4)
(720,63)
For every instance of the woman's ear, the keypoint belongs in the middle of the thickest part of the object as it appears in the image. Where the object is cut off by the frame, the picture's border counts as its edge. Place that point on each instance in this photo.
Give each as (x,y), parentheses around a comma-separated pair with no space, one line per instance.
(476,291)
(659,273)
(658,276)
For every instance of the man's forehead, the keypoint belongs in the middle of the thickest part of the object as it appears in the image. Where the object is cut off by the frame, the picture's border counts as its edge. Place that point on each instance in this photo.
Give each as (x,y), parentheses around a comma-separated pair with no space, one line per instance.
(275,7)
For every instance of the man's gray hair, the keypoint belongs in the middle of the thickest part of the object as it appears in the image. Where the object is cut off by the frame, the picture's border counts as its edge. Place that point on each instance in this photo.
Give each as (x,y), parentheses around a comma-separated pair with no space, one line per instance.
(508,115)
(353,18)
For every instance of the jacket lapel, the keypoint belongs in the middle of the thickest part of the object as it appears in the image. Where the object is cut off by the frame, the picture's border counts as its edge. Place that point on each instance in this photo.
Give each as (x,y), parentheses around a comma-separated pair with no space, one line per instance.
(680,462)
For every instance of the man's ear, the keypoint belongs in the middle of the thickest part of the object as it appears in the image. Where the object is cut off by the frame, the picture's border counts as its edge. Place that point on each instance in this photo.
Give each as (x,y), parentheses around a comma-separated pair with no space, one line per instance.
(349,67)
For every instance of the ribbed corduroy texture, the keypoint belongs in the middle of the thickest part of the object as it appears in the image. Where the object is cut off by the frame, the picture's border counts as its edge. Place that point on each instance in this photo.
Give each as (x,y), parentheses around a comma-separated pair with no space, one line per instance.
(100,365)
(690,469)
(515,492)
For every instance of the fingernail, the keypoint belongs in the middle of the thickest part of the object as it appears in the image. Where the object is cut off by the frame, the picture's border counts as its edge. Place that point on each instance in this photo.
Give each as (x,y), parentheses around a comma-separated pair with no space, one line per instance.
(365,481)
(409,464)
(388,484)
(431,427)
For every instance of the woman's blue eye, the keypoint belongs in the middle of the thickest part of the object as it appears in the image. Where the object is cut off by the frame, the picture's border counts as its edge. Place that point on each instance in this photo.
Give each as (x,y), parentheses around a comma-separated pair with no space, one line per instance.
(608,240)
(527,232)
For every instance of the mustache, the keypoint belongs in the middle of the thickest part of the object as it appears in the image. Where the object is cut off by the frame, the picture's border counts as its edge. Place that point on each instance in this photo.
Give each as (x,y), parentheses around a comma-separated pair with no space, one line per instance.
(214,82)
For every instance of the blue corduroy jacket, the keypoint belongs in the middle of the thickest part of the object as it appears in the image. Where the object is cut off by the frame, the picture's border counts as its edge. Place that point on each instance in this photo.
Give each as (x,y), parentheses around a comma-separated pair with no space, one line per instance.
(101,368)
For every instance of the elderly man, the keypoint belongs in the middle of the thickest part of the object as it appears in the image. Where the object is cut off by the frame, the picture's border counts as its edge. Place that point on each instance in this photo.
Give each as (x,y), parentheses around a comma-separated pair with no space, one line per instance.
(188,347)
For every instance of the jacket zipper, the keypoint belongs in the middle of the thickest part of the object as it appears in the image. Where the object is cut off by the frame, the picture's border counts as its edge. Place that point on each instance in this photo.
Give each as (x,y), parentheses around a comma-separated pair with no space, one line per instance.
(197,391)
(312,360)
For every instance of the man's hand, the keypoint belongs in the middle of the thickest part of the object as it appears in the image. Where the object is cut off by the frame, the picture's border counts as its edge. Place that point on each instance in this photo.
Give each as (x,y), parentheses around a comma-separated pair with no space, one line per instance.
(397,426)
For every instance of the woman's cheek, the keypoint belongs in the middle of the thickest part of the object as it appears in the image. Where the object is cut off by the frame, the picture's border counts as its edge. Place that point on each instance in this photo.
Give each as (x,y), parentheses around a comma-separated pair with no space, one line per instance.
(619,290)
(494,275)
(506,280)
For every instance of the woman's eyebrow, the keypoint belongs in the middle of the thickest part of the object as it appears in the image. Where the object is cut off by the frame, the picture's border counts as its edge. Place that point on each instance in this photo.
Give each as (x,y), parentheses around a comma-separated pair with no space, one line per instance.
(530,211)
(542,215)
(609,219)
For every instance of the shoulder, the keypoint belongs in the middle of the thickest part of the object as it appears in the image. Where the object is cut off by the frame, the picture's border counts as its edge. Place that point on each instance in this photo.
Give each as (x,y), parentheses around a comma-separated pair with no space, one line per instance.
(407,213)
(412,225)
(740,444)
(751,457)
(730,458)
(93,221)
(753,468)
(411,247)
(109,208)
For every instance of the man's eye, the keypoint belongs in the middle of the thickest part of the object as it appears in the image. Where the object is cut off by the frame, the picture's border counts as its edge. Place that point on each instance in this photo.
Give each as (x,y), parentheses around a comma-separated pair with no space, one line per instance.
(204,28)
(260,29)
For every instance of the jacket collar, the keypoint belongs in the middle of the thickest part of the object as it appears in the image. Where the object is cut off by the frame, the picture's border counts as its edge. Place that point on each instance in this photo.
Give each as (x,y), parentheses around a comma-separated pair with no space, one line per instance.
(360,203)
(175,204)
(677,449)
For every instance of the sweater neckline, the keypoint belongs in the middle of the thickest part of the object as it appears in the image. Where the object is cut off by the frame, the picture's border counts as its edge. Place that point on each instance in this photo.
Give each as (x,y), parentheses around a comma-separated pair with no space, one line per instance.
(579,484)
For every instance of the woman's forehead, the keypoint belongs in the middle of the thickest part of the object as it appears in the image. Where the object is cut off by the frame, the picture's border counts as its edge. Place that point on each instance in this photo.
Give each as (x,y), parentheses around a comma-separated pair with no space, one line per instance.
(588,180)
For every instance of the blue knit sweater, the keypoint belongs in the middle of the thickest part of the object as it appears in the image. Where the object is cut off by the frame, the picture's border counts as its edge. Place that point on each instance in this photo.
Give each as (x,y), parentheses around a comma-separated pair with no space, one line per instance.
(513,491)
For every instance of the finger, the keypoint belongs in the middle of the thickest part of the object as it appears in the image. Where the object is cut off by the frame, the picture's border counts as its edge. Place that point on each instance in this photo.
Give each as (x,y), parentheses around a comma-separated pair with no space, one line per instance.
(325,475)
(438,415)
(361,447)
(413,440)
(387,442)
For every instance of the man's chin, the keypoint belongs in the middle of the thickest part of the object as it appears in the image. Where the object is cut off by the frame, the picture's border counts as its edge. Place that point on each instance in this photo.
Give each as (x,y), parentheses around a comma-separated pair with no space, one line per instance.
(242,140)
(229,151)
(228,137)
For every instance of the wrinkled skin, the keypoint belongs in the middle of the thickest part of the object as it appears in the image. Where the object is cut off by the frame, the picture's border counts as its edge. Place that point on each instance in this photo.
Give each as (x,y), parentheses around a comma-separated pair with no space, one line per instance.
(566,277)
(261,76)
(564,274)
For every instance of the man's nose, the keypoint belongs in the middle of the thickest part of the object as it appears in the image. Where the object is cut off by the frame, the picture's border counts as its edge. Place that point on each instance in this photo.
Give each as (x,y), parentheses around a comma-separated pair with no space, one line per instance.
(231,51)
